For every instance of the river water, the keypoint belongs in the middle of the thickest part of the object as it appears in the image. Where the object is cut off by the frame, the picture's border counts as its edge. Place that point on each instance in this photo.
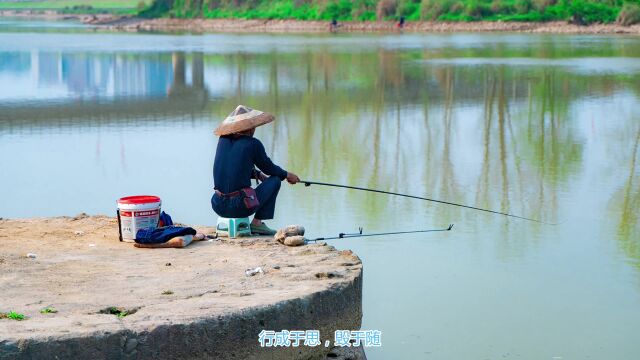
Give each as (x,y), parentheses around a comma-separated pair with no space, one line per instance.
(542,126)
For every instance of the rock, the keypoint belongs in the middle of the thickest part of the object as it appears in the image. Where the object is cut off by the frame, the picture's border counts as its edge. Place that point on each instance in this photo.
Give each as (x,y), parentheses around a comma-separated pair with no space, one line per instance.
(32,255)
(291,230)
(294,240)
(347,353)
(130,345)
(79,233)
(279,236)
(251,272)
(80,216)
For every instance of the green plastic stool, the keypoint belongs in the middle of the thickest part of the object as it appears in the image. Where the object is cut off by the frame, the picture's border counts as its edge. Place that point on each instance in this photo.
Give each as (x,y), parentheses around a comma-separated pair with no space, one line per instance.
(233,227)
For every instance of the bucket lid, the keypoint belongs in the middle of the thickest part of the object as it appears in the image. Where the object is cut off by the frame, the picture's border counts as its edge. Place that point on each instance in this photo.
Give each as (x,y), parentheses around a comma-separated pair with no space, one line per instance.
(139,199)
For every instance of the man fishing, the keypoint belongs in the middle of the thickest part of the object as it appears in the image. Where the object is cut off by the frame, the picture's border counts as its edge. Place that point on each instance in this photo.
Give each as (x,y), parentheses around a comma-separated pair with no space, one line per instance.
(237,155)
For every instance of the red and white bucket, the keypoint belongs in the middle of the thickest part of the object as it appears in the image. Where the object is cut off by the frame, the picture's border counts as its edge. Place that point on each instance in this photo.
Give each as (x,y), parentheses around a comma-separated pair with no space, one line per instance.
(137,212)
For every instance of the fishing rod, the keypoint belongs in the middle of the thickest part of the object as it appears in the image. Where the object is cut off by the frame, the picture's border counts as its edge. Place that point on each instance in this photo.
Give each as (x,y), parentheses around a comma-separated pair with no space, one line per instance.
(360,234)
(309,183)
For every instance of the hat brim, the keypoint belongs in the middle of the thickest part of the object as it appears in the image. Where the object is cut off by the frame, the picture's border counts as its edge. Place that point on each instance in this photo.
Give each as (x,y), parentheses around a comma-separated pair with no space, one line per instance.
(244,124)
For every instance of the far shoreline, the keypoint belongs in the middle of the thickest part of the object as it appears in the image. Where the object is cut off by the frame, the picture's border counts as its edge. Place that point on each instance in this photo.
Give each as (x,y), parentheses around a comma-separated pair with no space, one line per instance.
(127,23)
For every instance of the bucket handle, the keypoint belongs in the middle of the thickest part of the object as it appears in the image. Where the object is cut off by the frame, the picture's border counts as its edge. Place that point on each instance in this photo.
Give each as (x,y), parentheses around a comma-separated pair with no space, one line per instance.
(119,225)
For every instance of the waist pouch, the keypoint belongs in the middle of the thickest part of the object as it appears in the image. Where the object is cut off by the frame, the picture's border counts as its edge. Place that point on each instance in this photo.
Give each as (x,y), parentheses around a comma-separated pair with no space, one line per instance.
(250,198)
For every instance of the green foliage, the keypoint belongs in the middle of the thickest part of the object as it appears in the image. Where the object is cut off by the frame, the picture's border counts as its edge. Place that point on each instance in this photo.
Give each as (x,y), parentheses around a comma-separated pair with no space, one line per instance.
(12,315)
(410,9)
(386,8)
(629,15)
(476,10)
(48,310)
(119,312)
(141,6)
(339,10)
(523,6)
(588,12)
(433,9)
(577,11)
(158,8)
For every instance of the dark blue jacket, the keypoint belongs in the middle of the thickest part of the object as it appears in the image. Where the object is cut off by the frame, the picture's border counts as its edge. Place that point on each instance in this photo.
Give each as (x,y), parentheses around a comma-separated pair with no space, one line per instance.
(234,163)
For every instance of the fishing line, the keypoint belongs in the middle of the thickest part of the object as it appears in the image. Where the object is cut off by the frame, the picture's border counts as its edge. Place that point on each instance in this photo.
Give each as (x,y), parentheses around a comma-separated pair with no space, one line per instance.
(360,234)
(309,183)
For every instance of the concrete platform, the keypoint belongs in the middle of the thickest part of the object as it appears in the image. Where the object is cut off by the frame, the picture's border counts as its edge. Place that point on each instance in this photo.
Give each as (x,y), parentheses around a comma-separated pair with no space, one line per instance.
(190,303)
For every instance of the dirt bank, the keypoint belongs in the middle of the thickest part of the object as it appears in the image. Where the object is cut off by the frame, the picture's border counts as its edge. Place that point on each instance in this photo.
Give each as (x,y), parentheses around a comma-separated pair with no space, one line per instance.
(226,25)
(127,23)
(189,303)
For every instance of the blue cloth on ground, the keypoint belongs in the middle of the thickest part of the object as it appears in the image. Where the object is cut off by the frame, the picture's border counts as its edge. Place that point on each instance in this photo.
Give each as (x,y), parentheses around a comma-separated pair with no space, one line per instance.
(162,234)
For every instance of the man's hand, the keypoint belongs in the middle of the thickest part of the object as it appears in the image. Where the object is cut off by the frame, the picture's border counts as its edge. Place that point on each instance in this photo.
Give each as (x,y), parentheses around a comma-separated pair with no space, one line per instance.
(292,178)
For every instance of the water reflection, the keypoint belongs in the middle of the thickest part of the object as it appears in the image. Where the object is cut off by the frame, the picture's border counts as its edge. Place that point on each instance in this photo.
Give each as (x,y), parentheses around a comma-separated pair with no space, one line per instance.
(429,116)
(377,107)
(627,198)
(98,88)
(372,106)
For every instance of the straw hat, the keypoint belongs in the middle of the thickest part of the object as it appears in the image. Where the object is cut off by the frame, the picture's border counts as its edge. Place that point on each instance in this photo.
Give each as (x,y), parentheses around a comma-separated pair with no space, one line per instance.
(241,119)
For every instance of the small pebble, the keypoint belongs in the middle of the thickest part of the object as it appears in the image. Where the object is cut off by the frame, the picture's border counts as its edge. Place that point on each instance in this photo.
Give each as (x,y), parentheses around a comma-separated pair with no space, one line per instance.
(167,264)
(251,272)
(92,245)
(276,267)
(79,233)
(31,255)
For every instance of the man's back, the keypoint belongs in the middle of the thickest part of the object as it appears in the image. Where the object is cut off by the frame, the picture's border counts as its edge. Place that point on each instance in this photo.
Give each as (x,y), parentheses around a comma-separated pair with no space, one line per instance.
(234,163)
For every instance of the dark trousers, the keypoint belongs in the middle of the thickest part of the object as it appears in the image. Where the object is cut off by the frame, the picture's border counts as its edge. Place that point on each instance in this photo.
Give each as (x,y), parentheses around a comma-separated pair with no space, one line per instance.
(233,207)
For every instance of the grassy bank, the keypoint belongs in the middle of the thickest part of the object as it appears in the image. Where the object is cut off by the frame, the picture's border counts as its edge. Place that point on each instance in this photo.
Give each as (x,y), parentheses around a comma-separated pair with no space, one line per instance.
(577,11)
(78,6)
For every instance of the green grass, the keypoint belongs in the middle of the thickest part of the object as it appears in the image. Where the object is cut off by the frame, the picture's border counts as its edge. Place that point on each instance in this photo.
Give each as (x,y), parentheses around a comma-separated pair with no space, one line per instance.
(119,312)
(578,11)
(123,7)
(61,4)
(48,310)
(12,315)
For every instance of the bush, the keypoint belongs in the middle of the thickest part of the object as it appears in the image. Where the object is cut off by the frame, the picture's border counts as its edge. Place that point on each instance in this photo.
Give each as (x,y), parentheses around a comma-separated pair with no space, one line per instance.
(629,15)
(585,13)
(141,6)
(386,8)
(339,10)
(475,10)
(409,9)
(523,6)
(456,7)
(501,7)
(364,10)
(433,9)
(541,5)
